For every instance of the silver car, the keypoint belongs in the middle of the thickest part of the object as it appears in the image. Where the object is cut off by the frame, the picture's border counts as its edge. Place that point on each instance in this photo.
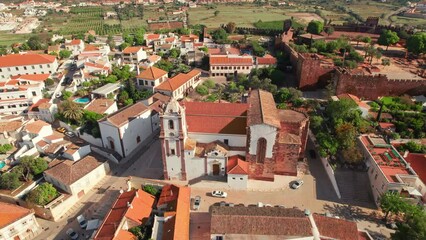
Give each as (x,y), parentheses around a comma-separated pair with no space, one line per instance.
(197,202)
(297,184)
(73,235)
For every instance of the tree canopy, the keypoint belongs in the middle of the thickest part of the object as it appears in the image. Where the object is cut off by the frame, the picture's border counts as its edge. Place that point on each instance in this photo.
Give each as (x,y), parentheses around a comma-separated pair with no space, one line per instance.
(43,194)
(417,43)
(65,54)
(387,38)
(220,35)
(315,27)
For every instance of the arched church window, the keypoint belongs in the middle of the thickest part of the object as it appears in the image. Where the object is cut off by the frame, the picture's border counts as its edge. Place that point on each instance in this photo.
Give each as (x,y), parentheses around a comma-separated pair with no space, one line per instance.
(171,124)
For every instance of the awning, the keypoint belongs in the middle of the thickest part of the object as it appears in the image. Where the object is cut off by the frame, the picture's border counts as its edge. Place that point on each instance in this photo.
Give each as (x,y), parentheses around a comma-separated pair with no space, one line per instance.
(92,224)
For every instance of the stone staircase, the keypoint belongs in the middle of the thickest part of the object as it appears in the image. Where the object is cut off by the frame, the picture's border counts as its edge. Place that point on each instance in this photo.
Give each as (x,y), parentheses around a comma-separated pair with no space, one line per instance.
(354,187)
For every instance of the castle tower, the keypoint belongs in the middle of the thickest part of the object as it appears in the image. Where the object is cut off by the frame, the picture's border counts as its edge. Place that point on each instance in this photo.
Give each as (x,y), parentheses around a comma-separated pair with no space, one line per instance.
(173,135)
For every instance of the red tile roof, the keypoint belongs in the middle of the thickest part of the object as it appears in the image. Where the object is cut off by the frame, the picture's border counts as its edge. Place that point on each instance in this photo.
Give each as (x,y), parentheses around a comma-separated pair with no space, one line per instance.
(100,105)
(418,163)
(334,228)
(230,60)
(152,73)
(214,51)
(262,109)
(178,209)
(32,77)
(11,213)
(233,50)
(126,114)
(237,165)
(266,60)
(152,36)
(225,118)
(154,58)
(139,212)
(25,59)
(74,42)
(90,47)
(134,49)
(385,125)
(36,105)
(35,127)
(177,81)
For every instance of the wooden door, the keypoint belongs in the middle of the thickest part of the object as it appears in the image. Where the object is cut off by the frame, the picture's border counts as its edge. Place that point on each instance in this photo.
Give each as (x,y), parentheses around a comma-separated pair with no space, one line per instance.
(216,169)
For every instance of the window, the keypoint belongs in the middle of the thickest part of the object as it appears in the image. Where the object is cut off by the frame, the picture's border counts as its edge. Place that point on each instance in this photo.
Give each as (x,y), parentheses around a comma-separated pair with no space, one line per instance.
(375,177)
(172,152)
(138,139)
(25,67)
(233,178)
(41,66)
(152,83)
(32,67)
(383,185)
(48,65)
(146,82)
(34,93)
(171,124)
(226,141)
(261,150)
(372,170)
(1,70)
(241,178)
(16,68)
(111,144)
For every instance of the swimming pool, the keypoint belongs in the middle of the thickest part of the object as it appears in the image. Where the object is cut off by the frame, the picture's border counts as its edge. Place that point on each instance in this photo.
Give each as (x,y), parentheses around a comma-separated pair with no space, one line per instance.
(2,164)
(83,100)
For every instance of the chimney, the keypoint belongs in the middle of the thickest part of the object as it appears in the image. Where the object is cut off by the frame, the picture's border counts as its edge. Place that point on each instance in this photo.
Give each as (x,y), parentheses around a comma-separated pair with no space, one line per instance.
(406,153)
(137,194)
(129,205)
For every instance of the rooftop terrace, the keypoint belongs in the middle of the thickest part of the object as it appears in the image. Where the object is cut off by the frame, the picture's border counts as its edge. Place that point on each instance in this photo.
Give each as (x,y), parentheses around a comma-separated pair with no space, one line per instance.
(386,157)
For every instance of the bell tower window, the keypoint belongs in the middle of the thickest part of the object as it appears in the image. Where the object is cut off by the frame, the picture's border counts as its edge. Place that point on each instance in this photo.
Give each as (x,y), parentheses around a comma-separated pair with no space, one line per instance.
(171,125)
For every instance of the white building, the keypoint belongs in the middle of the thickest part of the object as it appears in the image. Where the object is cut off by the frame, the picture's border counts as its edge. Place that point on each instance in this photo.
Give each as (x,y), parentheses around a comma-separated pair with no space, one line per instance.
(43,110)
(151,78)
(24,64)
(17,222)
(180,84)
(76,46)
(387,169)
(237,172)
(124,130)
(133,55)
(77,177)
(102,106)
(230,65)
(106,90)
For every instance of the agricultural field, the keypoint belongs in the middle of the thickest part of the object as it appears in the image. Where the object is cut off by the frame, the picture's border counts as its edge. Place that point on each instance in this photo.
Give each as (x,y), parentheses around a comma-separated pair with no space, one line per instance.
(243,15)
(371,9)
(7,38)
(409,21)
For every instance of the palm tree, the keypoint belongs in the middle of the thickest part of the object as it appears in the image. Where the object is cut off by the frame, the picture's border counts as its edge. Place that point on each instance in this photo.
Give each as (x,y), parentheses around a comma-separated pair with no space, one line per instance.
(71,110)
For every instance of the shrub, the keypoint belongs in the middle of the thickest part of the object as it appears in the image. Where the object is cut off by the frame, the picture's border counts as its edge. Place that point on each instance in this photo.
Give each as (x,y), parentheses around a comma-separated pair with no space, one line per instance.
(43,194)
(49,82)
(150,189)
(202,90)
(209,83)
(10,181)
(5,148)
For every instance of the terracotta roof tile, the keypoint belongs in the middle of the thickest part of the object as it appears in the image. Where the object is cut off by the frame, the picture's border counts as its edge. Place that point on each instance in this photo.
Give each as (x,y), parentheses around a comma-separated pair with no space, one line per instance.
(10,213)
(10,126)
(291,116)
(385,125)
(418,163)
(237,165)
(142,204)
(262,109)
(35,107)
(154,58)
(177,81)
(100,105)
(36,126)
(25,59)
(152,73)
(226,118)
(74,42)
(126,114)
(230,60)
(68,171)
(259,221)
(90,47)
(266,60)
(336,228)
(152,36)
(134,49)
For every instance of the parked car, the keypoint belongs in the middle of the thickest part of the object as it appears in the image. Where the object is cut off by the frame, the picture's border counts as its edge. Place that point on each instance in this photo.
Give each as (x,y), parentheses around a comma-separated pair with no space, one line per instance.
(58,95)
(82,221)
(70,134)
(197,202)
(297,184)
(73,235)
(219,194)
(61,130)
(312,153)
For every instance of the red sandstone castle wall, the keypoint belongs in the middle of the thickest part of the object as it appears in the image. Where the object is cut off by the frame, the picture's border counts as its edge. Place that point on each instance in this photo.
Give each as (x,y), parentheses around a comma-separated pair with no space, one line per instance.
(372,87)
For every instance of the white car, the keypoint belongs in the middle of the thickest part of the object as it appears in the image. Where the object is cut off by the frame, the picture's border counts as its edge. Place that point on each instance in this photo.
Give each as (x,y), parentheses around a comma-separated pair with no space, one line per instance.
(73,235)
(82,221)
(219,194)
(297,184)
(69,134)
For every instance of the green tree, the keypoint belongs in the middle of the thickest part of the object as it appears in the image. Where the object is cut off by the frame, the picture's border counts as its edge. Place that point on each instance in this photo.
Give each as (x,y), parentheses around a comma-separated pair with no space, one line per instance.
(329,30)
(71,110)
(5,148)
(35,43)
(346,134)
(230,27)
(139,37)
(391,203)
(386,62)
(90,38)
(387,38)
(65,54)
(413,226)
(216,13)
(66,94)
(43,194)
(33,165)
(10,181)
(202,90)
(165,65)
(220,35)
(315,27)
(150,189)
(174,53)
(124,46)
(257,49)
(209,83)
(49,82)
(316,122)
(417,43)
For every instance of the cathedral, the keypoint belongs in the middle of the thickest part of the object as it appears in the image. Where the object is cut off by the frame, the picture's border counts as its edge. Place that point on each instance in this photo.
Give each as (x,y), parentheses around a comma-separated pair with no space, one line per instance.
(252,140)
